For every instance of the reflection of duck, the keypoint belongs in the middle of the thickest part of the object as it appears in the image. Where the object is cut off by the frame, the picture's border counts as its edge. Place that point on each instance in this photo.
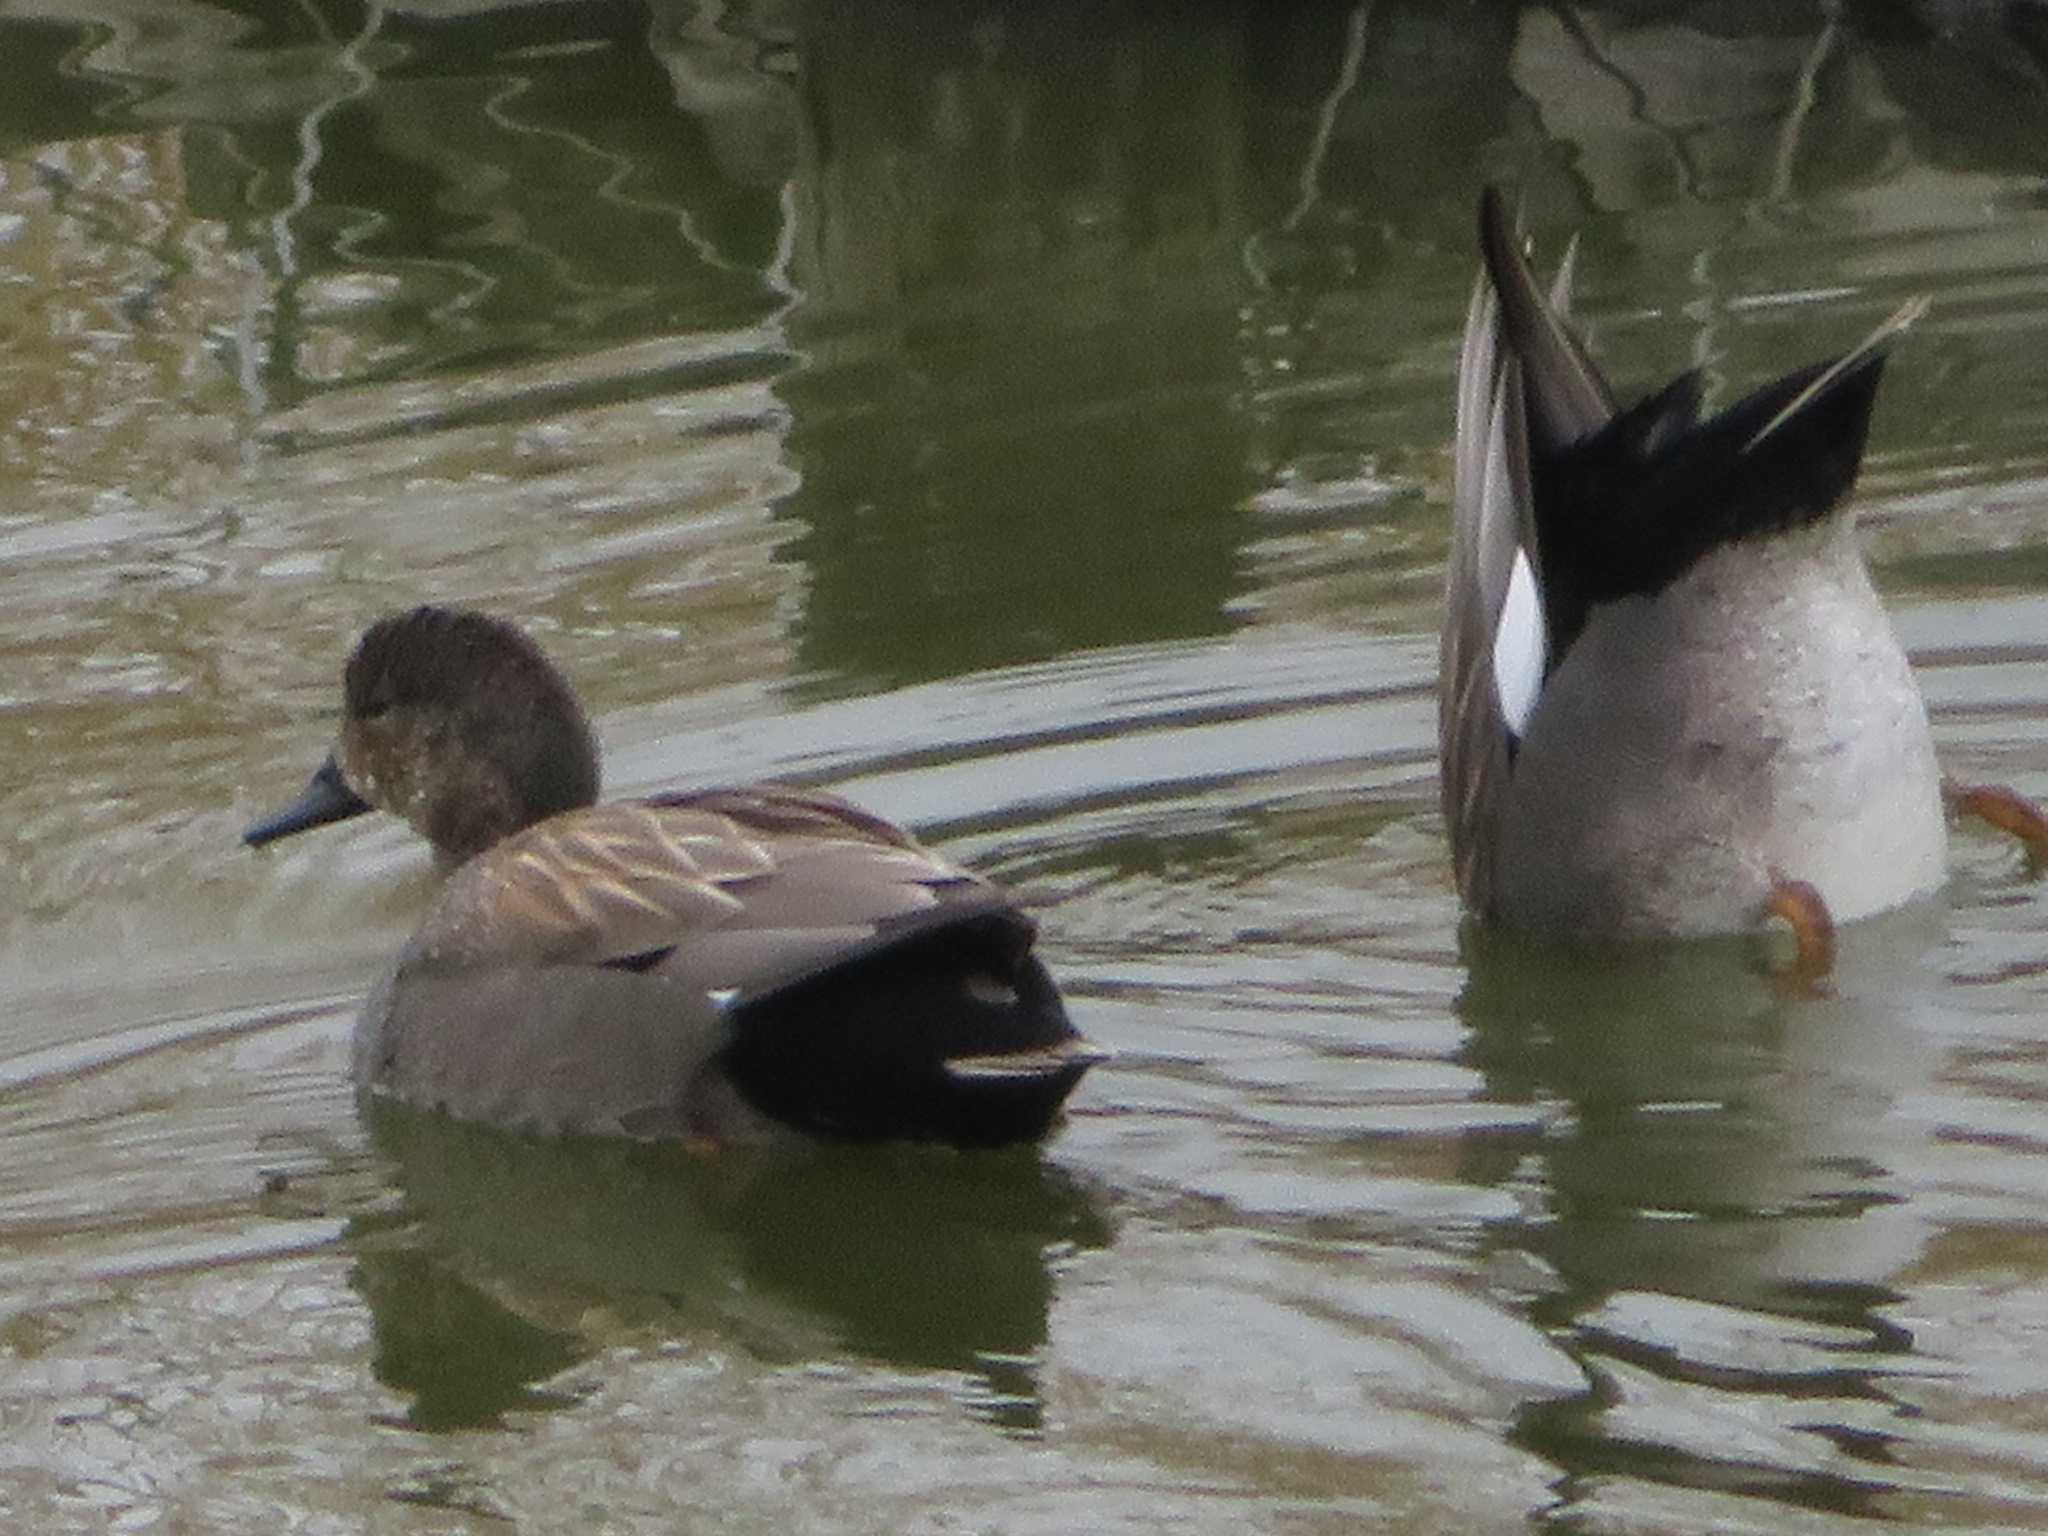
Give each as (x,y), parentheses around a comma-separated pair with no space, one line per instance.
(520,1256)
(1670,695)
(1728,1206)
(722,964)
(1725,1142)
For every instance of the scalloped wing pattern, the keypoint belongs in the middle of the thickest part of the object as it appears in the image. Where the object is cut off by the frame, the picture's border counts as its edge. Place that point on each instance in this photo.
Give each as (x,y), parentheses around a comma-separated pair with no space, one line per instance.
(631,877)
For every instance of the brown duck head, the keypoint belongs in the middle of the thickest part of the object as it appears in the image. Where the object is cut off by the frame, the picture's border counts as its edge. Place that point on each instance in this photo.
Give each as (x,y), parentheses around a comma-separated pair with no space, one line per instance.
(456,722)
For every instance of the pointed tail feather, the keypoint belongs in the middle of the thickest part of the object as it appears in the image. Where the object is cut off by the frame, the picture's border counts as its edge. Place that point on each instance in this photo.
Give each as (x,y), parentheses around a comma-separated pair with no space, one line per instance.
(1566,394)
(1864,351)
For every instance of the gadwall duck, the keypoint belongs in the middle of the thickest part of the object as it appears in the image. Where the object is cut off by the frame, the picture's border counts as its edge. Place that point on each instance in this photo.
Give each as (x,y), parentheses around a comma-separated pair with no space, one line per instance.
(1670,701)
(707,966)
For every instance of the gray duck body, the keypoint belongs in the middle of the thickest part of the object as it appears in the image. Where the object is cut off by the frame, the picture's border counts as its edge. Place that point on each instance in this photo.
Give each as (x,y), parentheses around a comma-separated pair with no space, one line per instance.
(1698,694)
(736,964)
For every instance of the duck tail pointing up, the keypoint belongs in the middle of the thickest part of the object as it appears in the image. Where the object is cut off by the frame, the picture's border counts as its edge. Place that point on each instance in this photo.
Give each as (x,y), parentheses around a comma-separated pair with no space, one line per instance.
(1564,392)
(1625,502)
(1636,505)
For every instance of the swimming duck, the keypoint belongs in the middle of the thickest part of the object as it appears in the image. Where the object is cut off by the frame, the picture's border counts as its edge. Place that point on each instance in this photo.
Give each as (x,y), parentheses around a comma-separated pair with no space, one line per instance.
(1670,701)
(707,966)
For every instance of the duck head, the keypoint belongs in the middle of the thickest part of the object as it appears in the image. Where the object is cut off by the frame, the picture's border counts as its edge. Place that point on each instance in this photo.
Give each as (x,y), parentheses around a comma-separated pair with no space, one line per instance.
(456,722)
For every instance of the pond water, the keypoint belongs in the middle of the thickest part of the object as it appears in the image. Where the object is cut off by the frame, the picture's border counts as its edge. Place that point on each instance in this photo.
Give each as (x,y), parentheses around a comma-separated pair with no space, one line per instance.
(1032,420)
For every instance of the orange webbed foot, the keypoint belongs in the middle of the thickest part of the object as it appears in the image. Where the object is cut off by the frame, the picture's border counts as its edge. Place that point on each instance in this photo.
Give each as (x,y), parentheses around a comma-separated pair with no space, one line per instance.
(2006,809)
(1801,908)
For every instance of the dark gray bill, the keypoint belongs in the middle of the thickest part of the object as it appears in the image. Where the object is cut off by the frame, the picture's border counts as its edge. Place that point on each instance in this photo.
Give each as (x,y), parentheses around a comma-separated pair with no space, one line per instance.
(326,798)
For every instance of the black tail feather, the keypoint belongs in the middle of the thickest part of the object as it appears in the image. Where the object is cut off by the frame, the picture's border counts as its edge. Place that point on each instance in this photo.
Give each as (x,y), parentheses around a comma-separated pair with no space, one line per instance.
(859,1050)
(1633,507)
(1627,502)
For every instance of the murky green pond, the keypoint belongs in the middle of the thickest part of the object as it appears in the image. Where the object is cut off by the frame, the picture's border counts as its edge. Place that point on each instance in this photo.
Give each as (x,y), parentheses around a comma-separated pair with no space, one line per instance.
(1030,419)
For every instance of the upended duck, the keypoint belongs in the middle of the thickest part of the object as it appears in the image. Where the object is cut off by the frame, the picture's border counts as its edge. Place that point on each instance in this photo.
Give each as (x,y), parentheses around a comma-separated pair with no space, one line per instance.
(711,966)
(1670,702)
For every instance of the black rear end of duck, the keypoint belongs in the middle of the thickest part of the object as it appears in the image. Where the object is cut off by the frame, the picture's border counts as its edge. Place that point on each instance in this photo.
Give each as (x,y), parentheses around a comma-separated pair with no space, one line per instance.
(944,1029)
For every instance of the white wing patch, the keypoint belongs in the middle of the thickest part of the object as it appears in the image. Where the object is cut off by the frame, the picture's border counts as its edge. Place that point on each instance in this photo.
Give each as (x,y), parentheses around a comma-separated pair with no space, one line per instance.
(1520,647)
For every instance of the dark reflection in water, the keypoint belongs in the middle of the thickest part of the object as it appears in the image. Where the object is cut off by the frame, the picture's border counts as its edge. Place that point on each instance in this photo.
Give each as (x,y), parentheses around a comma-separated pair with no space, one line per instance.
(1725,1140)
(1017,430)
(1728,1139)
(478,187)
(41,100)
(464,1358)
(1972,78)
(1332,87)
(507,1247)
